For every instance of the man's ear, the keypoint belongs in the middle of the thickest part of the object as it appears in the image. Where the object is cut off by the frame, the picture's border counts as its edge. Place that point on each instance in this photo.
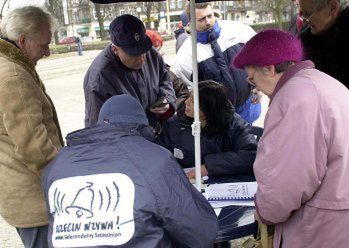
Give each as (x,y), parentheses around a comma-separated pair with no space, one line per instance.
(334,7)
(21,42)
(115,49)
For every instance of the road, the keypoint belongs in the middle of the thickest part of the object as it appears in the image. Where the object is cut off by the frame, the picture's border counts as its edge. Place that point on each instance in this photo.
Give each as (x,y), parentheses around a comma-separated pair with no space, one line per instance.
(63,77)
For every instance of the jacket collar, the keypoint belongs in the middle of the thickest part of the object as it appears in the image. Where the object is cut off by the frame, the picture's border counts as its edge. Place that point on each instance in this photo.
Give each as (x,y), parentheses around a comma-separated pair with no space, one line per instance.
(183,120)
(307,64)
(102,133)
(209,35)
(11,50)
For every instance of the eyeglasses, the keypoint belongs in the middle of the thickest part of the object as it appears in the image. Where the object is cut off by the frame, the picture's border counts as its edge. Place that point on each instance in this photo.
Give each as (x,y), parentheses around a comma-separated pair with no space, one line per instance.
(307,19)
(249,79)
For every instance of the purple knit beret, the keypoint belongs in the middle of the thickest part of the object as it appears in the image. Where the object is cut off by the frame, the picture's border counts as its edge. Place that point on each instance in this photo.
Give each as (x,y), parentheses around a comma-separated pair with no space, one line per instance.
(269,47)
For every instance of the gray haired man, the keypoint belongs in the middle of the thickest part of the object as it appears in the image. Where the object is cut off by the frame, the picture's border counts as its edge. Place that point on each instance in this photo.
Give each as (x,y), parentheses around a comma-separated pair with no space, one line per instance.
(326,37)
(30,136)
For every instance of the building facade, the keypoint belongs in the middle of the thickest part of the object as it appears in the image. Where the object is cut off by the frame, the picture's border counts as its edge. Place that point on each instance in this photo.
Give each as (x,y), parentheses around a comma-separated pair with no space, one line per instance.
(80,16)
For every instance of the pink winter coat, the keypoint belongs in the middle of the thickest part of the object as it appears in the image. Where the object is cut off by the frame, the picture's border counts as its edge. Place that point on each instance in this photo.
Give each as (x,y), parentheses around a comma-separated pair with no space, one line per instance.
(302,163)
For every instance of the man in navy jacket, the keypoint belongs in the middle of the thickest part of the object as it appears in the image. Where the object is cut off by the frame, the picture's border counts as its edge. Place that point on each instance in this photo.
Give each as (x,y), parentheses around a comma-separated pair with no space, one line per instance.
(129,65)
(111,186)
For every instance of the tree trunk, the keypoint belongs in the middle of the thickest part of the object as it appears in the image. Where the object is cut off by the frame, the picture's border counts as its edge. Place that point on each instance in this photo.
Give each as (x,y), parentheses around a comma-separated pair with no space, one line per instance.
(148,20)
(100,21)
(279,18)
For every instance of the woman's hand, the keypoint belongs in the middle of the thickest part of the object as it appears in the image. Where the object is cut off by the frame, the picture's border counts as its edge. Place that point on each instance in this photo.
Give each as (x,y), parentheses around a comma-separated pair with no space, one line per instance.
(256,96)
(204,172)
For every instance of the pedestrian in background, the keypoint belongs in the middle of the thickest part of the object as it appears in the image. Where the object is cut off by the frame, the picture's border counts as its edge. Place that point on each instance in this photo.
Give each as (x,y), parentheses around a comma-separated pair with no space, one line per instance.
(302,166)
(182,33)
(30,135)
(79,45)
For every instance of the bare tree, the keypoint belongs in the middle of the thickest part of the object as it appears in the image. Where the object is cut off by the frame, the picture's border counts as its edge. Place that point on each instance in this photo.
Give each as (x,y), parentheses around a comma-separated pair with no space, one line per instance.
(100,17)
(147,8)
(3,4)
(55,7)
(277,7)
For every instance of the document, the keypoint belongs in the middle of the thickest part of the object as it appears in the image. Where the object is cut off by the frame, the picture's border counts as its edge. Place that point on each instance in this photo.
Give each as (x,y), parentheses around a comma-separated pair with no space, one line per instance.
(243,191)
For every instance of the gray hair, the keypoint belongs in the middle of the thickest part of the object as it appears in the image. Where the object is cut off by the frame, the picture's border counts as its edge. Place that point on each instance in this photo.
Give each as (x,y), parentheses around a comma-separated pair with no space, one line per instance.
(26,20)
(322,3)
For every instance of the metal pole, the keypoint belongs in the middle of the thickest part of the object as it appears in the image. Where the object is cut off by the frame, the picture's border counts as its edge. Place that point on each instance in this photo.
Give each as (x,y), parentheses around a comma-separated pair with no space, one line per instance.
(168,17)
(196,124)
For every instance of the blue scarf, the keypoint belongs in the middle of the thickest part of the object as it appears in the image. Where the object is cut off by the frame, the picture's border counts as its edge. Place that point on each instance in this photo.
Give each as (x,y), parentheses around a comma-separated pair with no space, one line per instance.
(209,35)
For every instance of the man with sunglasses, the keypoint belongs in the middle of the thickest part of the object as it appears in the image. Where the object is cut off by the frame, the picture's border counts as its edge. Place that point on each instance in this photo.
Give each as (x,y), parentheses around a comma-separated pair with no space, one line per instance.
(326,38)
(217,44)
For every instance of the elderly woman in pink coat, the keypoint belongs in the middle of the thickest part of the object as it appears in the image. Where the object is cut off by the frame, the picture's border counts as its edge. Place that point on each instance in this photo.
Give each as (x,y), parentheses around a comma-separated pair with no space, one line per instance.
(302,163)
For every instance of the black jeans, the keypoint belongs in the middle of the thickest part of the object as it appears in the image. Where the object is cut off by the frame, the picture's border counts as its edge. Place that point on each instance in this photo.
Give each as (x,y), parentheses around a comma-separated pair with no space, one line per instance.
(34,237)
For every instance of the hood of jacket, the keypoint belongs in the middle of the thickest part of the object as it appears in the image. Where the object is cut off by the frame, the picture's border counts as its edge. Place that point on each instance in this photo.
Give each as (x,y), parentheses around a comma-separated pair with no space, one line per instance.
(102,133)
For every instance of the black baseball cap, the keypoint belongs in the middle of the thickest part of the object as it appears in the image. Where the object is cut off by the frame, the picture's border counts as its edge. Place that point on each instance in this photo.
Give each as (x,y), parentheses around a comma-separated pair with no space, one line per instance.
(128,32)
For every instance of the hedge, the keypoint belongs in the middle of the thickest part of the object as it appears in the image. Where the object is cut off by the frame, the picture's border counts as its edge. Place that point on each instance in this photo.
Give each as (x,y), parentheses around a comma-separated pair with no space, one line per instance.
(259,27)
(96,45)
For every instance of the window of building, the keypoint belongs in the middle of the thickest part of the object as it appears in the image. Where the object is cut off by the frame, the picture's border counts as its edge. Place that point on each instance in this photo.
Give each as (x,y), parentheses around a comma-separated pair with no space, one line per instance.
(172,4)
(76,16)
(180,4)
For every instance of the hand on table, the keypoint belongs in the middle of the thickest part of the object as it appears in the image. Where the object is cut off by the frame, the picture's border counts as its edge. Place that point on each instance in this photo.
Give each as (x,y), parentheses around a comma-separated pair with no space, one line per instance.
(204,172)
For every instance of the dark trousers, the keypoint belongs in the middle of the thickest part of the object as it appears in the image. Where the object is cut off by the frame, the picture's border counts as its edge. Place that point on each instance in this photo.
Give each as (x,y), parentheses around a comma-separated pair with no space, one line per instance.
(223,244)
(34,237)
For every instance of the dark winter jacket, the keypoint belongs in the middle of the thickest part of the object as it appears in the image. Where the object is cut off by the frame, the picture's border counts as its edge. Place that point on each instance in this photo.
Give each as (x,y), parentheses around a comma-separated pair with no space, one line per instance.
(229,153)
(108,76)
(111,186)
(330,51)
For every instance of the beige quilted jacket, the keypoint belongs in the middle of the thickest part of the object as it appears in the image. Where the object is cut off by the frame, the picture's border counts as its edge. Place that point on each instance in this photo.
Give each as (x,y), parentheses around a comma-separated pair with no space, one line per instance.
(30,138)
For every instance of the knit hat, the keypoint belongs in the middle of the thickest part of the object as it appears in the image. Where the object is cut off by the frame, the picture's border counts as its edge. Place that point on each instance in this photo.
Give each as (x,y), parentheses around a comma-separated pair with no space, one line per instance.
(122,109)
(128,32)
(269,47)
(184,18)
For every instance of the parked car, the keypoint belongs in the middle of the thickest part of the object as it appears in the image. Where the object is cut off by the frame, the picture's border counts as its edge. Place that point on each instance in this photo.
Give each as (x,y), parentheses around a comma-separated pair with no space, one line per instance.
(67,40)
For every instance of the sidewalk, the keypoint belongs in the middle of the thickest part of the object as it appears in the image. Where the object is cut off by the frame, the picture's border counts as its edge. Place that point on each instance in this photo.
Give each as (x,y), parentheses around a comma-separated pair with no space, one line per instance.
(8,236)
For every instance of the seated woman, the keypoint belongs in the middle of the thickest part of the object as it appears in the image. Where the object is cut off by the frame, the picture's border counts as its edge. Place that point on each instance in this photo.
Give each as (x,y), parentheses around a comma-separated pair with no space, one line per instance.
(227,147)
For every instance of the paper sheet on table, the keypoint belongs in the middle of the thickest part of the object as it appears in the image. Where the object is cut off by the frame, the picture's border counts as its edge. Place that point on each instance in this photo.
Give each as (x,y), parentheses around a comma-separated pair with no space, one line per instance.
(221,204)
(217,211)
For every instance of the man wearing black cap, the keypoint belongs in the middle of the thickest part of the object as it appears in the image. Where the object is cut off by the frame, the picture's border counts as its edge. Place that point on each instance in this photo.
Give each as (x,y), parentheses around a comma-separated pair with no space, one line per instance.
(129,65)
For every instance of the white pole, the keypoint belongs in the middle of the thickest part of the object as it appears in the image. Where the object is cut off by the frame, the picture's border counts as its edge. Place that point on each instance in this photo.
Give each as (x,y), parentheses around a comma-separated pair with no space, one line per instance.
(196,124)
(168,17)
